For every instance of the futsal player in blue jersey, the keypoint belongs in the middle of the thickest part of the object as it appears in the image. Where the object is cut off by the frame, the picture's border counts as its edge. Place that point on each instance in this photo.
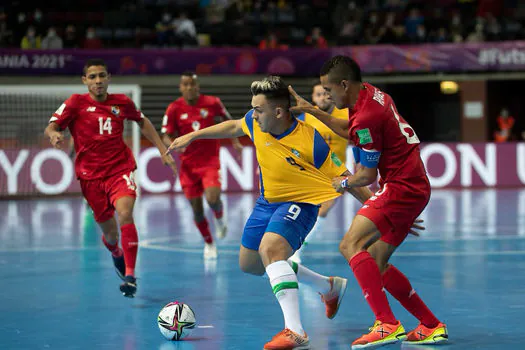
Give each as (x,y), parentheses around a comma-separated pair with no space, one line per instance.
(296,171)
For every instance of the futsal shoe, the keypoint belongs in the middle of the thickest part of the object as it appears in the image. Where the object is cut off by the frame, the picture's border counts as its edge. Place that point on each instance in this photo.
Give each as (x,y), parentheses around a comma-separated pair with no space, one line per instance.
(129,287)
(333,298)
(422,335)
(380,334)
(210,251)
(220,228)
(288,340)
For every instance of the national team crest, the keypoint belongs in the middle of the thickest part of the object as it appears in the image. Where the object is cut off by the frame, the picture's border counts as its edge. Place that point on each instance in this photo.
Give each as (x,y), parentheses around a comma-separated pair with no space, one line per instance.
(296,153)
(115,110)
(204,113)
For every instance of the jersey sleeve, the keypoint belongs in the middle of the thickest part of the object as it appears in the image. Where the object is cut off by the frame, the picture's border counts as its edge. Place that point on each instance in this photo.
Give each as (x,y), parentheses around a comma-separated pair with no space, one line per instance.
(367,133)
(169,121)
(66,113)
(130,111)
(247,124)
(324,159)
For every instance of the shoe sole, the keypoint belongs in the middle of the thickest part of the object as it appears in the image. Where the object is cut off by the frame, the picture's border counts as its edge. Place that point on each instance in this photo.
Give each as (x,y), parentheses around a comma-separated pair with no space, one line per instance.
(300,347)
(437,339)
(399,338)
(342,292)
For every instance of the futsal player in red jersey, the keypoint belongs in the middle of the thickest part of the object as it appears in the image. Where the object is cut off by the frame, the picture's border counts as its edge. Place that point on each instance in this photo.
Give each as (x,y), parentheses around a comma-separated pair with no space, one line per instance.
(200,164)
(383,141)
(104,164)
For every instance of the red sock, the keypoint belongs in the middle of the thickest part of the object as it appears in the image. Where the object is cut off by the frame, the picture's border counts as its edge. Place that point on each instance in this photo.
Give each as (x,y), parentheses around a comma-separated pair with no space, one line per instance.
(368,276)
(397,284)
(113,248)
(205,230)
(130,246)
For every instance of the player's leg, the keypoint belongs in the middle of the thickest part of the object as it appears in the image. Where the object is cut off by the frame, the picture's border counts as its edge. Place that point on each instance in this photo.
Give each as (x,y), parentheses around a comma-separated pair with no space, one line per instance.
(192,186)
(212,191)
(122,193)
(96,197)
(319,225)
(362,234)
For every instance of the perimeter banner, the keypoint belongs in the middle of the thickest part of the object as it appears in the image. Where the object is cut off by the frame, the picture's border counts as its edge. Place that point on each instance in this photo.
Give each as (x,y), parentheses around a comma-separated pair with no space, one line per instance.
(51,172)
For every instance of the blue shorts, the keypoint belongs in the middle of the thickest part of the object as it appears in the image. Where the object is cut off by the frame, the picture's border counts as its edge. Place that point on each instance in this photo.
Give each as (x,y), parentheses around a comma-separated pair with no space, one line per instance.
(291,220)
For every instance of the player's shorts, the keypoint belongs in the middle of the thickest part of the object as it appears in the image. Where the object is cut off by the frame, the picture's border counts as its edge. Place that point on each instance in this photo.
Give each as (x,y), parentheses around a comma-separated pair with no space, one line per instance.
(194,180)
(101,194)
(395,207)
(291,220)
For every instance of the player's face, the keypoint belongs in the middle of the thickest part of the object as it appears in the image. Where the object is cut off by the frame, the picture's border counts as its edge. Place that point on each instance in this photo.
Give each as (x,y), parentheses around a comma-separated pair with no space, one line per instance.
(321,98)
(337,93)
(189,88)
(97,80)
(264,113)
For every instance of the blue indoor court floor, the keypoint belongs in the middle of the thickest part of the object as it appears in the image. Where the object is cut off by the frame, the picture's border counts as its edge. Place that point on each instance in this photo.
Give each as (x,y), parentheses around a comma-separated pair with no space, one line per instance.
(58,289)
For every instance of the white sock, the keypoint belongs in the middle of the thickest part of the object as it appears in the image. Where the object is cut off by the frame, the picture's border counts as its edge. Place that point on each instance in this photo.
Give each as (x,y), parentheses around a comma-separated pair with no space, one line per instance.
(220,221)
(286,290)
(319,224)
(319,282)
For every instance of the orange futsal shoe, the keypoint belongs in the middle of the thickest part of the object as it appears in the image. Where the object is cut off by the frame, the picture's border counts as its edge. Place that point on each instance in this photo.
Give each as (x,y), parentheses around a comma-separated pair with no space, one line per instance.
(424,335)
(380,334)
(288,340)
(333,298)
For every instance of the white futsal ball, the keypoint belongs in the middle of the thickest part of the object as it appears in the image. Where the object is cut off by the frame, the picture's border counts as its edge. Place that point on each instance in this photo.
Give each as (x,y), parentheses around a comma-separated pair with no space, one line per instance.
(176,321)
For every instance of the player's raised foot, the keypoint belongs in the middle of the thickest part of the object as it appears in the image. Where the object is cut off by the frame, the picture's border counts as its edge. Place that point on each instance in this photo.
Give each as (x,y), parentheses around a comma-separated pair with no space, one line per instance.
(129,287)
(220,228)
(288,340)
(210,251)
(120,266)
(333,298)
(296,257)
(422,335)
(380,334)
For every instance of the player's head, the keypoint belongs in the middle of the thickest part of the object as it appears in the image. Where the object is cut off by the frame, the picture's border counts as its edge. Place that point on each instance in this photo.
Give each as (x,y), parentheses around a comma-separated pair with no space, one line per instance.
(321,98)
(189,86)
(341,78)
(96,77)
(270,102)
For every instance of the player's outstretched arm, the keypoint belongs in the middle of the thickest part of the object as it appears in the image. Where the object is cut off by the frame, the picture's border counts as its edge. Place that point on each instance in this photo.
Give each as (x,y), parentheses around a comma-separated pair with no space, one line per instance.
(56,137)
(363,177)
(148,130)
(339,126)
(224,130)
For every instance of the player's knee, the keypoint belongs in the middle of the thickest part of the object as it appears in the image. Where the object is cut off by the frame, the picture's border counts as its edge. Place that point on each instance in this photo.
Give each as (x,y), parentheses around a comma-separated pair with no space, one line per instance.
(348,246)
(272,252)
(125,216)
(213,199)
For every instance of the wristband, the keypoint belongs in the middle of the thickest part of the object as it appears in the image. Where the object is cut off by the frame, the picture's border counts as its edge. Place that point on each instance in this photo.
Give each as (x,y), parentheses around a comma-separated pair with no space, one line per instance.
(344,183)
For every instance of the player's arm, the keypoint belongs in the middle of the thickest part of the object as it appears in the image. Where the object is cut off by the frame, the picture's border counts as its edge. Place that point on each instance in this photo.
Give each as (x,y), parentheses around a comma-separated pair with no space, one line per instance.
(224,130)
(338,126)
(169,129)
(148,130)
(56,136)
(362,194)
(225,115)
(366,173)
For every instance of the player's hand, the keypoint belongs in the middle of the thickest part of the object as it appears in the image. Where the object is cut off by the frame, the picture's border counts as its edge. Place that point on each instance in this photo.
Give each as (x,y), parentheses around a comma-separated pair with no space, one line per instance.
(302,106)
(337,183)
(57,139)
(180,143)
(168,160)
(417,225)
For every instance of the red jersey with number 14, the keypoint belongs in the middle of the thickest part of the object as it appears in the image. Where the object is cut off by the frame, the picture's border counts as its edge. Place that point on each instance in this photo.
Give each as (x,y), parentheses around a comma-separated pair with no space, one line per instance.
(182,118)
(97,129)
(375,125)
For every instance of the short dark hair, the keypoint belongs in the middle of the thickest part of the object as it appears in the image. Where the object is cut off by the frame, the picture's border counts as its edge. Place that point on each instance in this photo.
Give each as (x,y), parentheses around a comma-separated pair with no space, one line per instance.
(342,68)
(189,73)
(93,62)
(274,88)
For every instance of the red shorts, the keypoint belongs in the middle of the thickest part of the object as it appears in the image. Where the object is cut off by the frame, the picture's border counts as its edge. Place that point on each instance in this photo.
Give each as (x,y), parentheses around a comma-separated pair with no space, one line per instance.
(395,207)
(194,180)
(101,194)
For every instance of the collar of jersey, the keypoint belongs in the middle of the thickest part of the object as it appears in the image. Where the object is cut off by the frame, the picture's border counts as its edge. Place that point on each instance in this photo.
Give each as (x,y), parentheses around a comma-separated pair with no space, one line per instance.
(287,131)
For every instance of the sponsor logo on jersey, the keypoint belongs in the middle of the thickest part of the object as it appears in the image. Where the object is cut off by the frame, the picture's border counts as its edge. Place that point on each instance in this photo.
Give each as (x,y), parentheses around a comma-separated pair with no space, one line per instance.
(184,116)
(91,109)
(296,153)
(204,113)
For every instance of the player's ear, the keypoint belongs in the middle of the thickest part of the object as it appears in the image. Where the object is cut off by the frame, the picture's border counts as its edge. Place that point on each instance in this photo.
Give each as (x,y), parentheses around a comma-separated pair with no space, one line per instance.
(84,79)
(345,84)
